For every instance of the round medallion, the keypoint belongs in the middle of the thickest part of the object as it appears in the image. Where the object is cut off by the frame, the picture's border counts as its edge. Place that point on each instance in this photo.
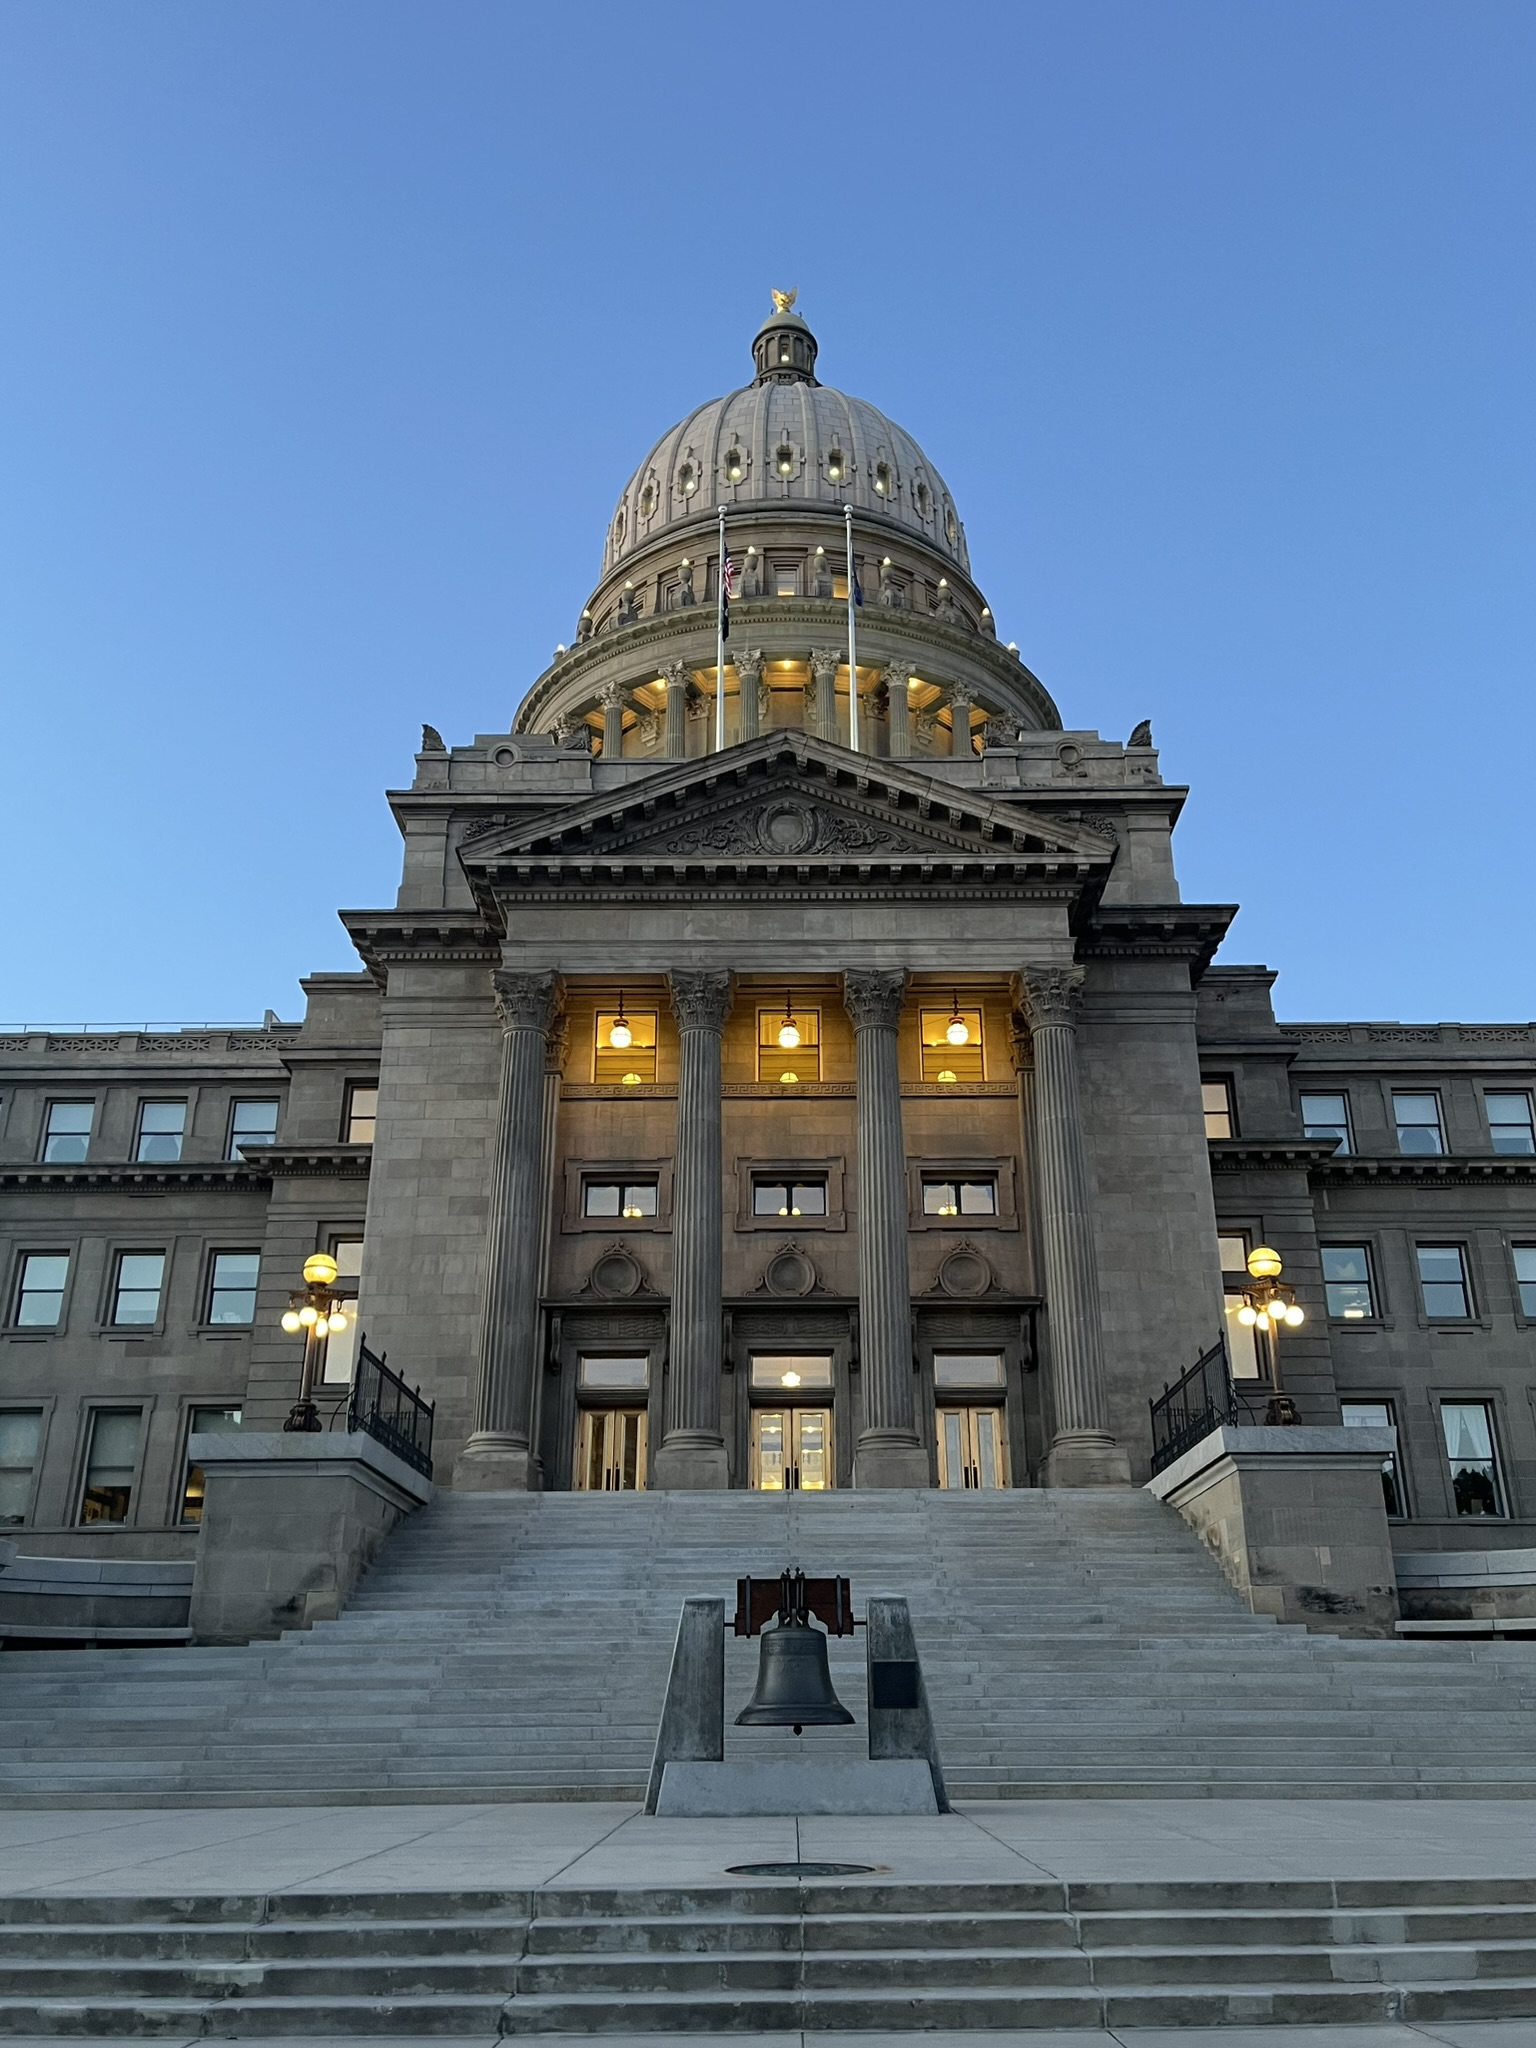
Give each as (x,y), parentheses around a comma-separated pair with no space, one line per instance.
(789,1272)
(965,1272)
(616,1275)
(787,828)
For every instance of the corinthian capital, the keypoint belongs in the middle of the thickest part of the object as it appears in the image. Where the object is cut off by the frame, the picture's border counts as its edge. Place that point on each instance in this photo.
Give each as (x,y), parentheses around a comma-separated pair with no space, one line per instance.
(700,1001)
(1048,995)
(825,662)
(613,697)
(874,998)
(526,1002)
(749,667)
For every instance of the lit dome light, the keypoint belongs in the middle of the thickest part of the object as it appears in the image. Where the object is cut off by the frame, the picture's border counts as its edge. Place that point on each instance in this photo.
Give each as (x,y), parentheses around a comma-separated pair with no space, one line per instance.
(291,1322)
(1247,1316)
(788,1080)
(619,1033)
(1013,646)
(1264,1263)
(986,611)
(308,1315)
(789,1379)
(319,1269)
(1295,1316)
(789,1030)
(631,1081)
(336,1324)
(946,1074)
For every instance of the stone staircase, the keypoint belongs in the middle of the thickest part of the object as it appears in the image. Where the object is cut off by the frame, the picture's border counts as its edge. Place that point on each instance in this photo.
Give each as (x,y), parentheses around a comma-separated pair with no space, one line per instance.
(767,1957)
(516,1647)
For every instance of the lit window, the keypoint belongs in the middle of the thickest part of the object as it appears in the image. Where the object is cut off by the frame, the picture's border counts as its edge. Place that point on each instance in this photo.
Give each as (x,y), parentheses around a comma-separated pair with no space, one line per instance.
(967,1368)
(796,1061)
(136,1294)
(625,1200)
(687,480)
(789,1198)
(1443,1281)
(1524,1256)
(947,1057)
(40,1291)
(362,1117)
(1347,1282)
(1327,1116)
(67,1132)
(615,1375)
(21,1432)
(161,1128)
(784,460)
(1509,1123)
(1468,1429)
(786,580)
(633,1059)
(837,467)
(1216,1101)
(1418,1123)
(111,1465)
(780,1372)
(203,1422)
(339,1356)
(1378,1415)
(1242,1339)
(734,467)
(960,1197)
(252,1123)
(232,1287)
(883,479)
(840,584)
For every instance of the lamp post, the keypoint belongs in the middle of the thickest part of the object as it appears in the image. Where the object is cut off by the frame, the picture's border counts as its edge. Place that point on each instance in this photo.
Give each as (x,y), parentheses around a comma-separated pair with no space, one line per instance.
(318,1311)
(1269,1301)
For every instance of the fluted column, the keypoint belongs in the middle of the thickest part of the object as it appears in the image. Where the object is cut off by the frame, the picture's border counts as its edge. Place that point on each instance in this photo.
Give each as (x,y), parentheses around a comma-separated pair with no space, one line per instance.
(675,738)
(961,701)
(613,698)
(824,663)
(1083,1451)
(888,1452)
(899,698)
(500,1455)
(692,1452)
(749,676)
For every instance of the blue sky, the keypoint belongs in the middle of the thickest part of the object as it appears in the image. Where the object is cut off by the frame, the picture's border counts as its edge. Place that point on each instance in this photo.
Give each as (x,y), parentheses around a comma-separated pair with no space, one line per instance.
(333,327)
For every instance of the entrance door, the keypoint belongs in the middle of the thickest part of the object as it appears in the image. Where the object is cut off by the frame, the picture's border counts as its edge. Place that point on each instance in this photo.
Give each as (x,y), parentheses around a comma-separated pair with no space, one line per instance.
(610,1455)
(792,1449)
(973,1452)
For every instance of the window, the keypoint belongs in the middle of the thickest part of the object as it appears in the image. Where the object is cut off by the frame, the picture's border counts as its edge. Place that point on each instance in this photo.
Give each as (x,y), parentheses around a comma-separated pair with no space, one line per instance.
(1216,1101)
(788,1045)
(1378,1415)
(21,1432)
(624,1052)
(136,1294)
(615,1375)
(161,1128)
(960,1197)
(40,1290)
(1524,1256)
(1242,1339)
(789,1198)
(786,580)
(252,1123)
(1443,1280)
(776,1373)
(951,1059)
(968,1368)
(627,1199)
(232,1287)
(837,466)
(1327,1116)
(203,1422)
(1509,1123)
(362,1115)
(339,1356)
(1468,1428)
(67,1132)
(1418,1123)
(111,1465)
(1347,1282)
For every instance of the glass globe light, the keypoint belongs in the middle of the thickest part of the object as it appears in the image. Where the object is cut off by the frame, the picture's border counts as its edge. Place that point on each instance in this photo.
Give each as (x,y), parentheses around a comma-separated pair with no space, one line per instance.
(957,1031)
(789,1379)
(1295,1316)
(788,1080)
(291,1322)
(619,1033)
(336,1324)
(1247,1316)
(789,1034)
(1264,1263)
(319,1269)
(308,1315)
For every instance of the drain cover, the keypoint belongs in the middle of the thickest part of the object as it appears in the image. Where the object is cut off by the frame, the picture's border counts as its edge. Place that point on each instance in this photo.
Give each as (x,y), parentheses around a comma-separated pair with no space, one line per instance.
(800,1870)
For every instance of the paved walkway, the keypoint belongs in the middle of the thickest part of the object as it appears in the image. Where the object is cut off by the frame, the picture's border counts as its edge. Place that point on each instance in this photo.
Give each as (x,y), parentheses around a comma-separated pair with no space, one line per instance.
(1441,2034)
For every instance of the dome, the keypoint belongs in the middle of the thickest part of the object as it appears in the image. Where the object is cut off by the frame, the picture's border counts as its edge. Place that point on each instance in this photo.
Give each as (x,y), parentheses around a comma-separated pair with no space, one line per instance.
(788,442)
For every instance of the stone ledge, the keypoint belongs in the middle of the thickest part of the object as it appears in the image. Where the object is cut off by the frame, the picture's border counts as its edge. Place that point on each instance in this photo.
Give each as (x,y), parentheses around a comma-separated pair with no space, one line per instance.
(707,1790)
(324,1454)
(1336,1447)
(1461,1568)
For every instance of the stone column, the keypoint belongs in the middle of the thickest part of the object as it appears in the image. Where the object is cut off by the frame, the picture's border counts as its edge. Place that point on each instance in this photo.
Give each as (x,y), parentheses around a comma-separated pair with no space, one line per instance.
(899,698)
(675,741)
(824,665)
(692,1453)
(1083,1452)
(749,676)
(961,699)
(613,698)
(500,1456)
(888,1452)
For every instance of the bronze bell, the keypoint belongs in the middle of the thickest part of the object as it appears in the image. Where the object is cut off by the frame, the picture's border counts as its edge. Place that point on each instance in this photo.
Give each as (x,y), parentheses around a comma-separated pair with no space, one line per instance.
(794,1683)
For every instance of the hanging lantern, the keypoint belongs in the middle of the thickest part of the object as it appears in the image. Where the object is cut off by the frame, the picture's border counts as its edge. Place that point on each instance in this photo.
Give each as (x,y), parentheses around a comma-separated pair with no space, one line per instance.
(789,1030)
(957,1031)
(619,1033)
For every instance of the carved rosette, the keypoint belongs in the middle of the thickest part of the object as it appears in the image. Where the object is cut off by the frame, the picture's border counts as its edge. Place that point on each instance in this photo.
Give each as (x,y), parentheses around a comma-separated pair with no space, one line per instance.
(700,1001)
(527,1002)
(1048,995)
(874,998)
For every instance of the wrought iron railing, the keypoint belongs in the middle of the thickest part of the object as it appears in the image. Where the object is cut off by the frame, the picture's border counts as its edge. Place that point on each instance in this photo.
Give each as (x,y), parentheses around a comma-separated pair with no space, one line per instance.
(389,1411)
(1193,1406)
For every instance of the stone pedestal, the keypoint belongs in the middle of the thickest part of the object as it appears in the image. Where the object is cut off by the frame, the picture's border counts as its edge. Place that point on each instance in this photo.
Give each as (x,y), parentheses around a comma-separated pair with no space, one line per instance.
(1297,1520)
(290,1524)
(692,1453)
(888,1452)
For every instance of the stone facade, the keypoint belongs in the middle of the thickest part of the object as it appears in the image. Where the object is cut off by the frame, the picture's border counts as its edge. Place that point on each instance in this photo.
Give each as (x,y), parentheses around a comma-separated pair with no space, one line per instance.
(1049,1203)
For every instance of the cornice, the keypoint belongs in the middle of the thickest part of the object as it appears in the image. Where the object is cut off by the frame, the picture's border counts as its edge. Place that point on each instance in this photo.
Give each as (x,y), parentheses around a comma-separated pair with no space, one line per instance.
(384,937)
(1451,1169)
(317,1162)
(1183,931)
(138,1179)
(1264,1155)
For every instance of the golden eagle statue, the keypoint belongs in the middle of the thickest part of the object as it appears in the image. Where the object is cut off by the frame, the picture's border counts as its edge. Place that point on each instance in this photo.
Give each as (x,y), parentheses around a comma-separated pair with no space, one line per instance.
(784,302)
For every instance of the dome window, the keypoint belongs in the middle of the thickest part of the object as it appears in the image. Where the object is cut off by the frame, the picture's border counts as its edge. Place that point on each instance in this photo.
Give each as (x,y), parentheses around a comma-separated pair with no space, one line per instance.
(648,498)
(618,527)
(687,479)
(924,501)
(837,467)
(784,459)
(883,479)
(733,466)
(951,526)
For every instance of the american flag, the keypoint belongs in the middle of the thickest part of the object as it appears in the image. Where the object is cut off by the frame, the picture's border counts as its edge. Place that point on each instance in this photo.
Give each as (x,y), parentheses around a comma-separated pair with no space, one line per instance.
(727,592)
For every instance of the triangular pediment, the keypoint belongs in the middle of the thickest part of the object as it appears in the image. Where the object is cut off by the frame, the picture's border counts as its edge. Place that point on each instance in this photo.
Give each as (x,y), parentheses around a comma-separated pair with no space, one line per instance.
(786,804)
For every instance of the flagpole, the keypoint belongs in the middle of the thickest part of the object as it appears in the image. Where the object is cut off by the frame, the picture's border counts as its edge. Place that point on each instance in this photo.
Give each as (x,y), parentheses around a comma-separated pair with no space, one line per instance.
(853,648)
(720,644)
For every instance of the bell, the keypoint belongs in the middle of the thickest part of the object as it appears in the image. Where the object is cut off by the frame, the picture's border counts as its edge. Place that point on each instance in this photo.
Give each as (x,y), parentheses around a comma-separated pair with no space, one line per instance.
(794,1685)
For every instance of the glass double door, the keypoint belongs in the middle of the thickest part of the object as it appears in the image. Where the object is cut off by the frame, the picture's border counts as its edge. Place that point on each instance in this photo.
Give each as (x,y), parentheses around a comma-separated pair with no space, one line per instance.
(973,1451)
(610,1451)
(792,1450)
